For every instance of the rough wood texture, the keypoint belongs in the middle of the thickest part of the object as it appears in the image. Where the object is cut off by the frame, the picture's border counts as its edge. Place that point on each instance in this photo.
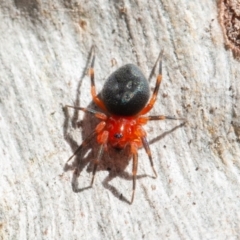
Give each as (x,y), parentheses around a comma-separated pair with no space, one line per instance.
(44,53)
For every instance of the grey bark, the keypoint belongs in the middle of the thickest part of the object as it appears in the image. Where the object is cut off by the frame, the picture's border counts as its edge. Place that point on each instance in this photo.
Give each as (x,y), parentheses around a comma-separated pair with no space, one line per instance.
(44,53)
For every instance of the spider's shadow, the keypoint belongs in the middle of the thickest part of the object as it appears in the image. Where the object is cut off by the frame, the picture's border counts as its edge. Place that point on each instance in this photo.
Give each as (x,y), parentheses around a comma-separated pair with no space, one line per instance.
(113,161)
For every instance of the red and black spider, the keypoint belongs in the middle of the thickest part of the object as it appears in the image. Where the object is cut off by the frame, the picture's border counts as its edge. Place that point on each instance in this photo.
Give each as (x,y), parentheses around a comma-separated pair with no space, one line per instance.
(125,101)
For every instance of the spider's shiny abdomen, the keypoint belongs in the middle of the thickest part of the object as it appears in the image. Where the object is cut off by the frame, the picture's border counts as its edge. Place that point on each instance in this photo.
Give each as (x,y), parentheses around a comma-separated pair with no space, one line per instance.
(126,91)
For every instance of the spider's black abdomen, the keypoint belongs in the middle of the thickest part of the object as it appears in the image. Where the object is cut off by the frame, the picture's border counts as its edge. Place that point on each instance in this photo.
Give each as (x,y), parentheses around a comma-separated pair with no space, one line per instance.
(126,91)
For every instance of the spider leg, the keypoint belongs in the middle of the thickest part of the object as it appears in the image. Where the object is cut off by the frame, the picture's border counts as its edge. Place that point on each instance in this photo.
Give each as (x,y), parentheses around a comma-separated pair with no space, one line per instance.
(97,114)
(96,99)
(148,151)
(134,168)
(153,99)
(83,144)
(96,162)
(102,139)
(96,131)
(162,117)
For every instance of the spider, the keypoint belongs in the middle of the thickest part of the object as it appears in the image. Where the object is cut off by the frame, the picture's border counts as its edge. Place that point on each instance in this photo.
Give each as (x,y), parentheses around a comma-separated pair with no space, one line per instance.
(124,100)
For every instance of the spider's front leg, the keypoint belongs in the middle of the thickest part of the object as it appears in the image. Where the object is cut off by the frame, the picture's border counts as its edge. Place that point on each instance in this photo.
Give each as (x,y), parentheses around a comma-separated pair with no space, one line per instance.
(153,99)
(95,98)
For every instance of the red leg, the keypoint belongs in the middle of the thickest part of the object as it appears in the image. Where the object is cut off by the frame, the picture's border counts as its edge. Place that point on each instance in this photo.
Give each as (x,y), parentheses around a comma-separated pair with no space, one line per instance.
(102,139)
(96,99)
(148,151)
(145,143)
(153,99)
(84,143)
(159,117)
(97,114)
(134,167)
(96,162)
(97,130)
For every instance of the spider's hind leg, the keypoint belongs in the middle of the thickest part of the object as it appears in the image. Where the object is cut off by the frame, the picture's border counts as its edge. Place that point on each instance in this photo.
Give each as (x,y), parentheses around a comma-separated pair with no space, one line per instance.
(134,150)
(148,151)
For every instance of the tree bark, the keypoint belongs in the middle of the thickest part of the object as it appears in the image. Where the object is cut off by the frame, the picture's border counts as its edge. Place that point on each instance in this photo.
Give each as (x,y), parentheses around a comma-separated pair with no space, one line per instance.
(45,51)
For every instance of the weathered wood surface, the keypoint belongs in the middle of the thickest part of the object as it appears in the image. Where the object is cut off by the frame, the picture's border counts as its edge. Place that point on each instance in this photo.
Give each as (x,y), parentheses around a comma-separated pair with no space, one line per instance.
(44,53)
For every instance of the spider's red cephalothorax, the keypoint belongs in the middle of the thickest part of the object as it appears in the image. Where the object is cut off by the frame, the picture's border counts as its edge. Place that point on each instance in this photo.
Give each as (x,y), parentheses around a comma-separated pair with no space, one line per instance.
(124,130)
(125,101)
